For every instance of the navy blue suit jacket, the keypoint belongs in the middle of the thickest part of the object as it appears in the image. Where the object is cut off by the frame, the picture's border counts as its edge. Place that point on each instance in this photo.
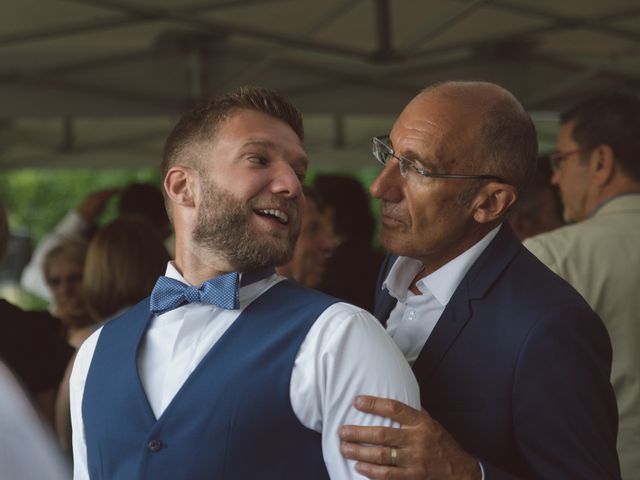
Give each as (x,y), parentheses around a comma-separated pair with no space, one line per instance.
(517,370)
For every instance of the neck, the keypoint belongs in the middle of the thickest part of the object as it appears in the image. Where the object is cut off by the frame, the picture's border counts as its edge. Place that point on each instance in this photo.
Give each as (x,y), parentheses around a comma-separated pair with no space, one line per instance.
(465,241)
(197,264)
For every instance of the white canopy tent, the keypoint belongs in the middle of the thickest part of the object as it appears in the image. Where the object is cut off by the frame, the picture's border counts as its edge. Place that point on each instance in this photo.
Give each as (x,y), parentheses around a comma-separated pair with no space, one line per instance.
(100,82)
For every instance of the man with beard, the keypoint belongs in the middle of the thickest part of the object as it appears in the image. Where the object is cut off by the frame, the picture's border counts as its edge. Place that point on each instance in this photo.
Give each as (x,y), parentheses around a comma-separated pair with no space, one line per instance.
(228,370)
(512,363)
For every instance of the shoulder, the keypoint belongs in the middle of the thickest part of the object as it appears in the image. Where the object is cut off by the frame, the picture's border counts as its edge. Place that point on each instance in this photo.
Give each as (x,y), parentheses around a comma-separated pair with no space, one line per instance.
(557,240)
(83,357)
(349,340)
(349,332)
(565,240)
(342,317)
(526,295)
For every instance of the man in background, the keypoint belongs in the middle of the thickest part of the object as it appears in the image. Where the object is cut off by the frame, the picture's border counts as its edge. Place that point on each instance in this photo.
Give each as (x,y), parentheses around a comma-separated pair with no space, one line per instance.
(597,169)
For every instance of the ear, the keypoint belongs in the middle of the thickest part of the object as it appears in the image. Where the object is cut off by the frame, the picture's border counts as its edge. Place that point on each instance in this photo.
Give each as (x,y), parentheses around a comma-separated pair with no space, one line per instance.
(493,202)
(602,164)
(180,183)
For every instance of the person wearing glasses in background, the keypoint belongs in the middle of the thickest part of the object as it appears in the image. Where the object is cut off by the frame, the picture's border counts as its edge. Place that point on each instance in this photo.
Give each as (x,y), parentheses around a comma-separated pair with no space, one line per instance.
(513,364)
(597,169)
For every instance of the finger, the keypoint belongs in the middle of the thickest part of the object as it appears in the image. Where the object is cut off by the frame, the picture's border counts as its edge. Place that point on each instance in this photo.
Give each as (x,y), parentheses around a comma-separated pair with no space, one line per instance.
(388,436)
(386,407)
(381,472)
(369,454)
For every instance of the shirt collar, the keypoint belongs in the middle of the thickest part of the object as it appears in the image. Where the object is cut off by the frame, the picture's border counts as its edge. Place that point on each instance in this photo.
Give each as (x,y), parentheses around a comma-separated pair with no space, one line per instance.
(443,282)
(606,204)
(245,278)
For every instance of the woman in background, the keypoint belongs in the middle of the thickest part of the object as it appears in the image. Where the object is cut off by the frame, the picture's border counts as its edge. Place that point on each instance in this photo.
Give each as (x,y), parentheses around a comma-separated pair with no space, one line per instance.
(123,263)
(62,268)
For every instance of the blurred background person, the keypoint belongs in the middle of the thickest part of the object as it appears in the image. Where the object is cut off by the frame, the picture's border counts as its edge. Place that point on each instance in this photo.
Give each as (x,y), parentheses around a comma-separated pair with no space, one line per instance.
(27,449)
(352,270)
(314,245)
(62,268)
(597,169)
(140,199)
(539,210)
(123,262)
(77,226)
(31,347)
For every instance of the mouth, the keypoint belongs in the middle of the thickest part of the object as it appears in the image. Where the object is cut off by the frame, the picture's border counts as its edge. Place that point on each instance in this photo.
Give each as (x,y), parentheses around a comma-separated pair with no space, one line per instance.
(391,220)
(274,214)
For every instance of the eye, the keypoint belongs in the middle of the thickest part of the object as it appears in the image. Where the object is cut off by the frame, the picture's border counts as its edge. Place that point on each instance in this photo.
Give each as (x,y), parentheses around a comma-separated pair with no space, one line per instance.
(419,168)
(416,167)
(301,175)
(258,160)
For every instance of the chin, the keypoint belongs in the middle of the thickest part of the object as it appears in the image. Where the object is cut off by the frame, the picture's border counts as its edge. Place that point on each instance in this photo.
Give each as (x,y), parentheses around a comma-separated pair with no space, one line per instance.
(392,244)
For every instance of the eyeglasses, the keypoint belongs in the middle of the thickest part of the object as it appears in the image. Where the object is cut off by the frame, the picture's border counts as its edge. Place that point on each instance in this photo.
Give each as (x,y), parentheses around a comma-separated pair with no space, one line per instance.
(383,153)
(556,158)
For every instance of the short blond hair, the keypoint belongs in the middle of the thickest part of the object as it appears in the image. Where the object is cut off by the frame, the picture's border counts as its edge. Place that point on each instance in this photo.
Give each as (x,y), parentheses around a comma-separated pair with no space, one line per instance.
(201,124)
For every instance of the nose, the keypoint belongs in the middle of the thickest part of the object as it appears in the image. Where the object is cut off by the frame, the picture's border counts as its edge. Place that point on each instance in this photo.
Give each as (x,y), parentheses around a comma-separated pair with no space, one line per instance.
(286,182)
(555,177)
(386,182)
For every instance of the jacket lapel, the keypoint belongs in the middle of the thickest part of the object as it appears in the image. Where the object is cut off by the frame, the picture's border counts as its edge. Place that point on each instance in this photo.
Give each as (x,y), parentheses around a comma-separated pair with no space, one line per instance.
(457,314)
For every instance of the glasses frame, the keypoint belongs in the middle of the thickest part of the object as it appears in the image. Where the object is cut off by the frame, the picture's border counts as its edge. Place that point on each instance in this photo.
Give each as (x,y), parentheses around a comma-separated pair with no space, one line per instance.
(379,144)
(557,158)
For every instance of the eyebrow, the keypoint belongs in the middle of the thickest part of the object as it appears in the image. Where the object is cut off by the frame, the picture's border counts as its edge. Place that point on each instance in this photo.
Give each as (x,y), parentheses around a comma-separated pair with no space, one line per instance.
(259,142)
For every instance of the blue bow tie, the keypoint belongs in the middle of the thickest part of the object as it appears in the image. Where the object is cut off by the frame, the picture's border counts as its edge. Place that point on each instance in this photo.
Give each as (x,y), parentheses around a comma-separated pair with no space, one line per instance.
(221,291)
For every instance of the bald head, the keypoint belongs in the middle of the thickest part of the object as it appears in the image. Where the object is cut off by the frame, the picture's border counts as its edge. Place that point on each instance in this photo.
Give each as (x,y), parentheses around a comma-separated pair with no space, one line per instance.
(493,130)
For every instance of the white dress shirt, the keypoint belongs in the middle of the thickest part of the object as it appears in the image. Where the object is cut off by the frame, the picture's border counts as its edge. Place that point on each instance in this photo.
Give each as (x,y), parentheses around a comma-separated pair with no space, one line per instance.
(346,353)
(415,316)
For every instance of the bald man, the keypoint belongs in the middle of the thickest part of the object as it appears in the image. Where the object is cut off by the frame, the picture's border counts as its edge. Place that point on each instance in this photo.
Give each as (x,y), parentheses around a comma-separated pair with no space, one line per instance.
(513,365)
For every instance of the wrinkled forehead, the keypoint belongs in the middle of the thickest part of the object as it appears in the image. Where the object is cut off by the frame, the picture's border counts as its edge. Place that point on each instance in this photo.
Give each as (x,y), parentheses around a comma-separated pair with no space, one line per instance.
(433,124)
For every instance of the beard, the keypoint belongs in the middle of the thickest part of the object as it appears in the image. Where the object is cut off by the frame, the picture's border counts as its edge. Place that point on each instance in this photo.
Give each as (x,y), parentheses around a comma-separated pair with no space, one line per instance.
(223,225)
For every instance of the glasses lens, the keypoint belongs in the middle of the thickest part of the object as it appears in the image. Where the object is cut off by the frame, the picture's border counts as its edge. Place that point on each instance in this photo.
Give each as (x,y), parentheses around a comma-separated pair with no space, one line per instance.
(403,164)
(380,151)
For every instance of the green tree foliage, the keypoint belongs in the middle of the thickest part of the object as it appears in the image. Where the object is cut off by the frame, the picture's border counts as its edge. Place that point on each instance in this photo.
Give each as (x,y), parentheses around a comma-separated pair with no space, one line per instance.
(37,199)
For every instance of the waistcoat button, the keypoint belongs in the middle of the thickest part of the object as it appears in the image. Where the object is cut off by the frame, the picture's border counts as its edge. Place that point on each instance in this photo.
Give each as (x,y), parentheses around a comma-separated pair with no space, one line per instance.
(155,445)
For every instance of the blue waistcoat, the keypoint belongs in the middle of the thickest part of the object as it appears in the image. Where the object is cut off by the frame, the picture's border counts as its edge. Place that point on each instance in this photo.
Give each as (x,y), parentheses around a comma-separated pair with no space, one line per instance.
(232,418)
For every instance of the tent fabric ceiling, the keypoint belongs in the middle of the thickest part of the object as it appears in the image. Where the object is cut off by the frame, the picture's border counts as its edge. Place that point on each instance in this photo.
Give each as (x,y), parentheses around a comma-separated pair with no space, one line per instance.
(100,82)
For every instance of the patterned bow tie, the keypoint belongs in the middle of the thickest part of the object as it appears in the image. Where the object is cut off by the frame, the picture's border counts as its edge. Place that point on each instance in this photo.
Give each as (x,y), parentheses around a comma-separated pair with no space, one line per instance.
(222,291)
